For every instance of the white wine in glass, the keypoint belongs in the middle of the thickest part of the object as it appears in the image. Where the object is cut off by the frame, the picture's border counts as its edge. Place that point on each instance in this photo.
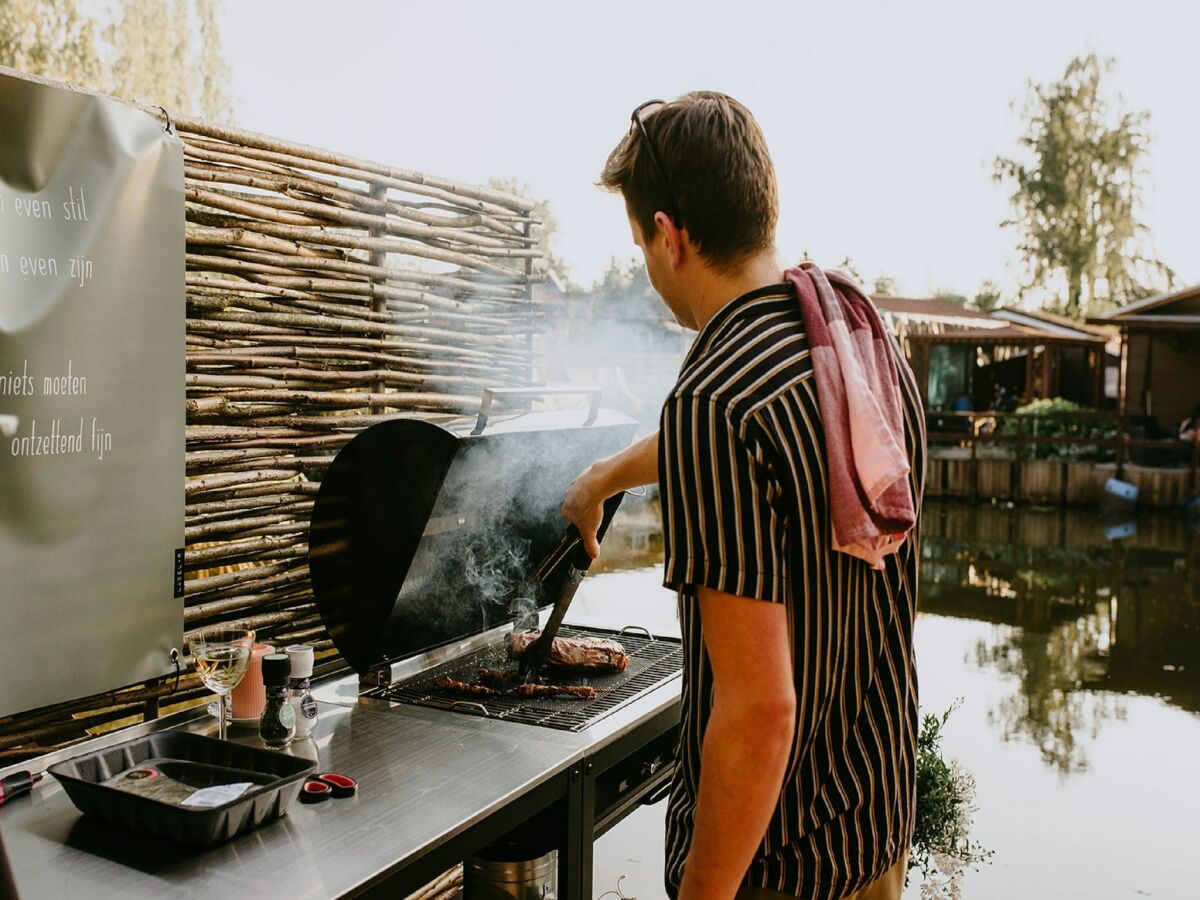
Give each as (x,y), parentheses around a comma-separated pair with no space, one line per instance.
(222,656)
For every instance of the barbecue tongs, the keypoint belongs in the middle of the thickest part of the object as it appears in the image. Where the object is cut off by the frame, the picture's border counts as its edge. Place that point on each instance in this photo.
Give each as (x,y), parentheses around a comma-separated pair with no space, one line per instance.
(570,545)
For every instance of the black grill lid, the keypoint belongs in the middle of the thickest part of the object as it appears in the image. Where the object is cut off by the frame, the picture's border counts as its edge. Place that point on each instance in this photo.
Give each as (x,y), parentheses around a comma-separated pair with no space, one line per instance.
(422,532)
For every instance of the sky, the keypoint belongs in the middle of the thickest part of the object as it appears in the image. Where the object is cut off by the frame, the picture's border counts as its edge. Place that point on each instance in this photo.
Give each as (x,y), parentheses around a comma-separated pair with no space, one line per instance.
(883,118)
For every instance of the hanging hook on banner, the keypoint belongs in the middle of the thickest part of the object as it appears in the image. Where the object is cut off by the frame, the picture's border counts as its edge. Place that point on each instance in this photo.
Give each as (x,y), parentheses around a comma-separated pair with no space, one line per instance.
(169,128)
(176,658)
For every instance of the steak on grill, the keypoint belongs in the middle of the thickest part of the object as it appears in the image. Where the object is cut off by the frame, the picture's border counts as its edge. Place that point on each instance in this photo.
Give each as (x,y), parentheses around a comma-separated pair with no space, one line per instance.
(595,655)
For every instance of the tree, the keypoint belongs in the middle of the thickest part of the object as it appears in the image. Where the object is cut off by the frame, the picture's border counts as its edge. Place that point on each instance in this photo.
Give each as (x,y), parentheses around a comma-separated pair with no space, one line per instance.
(541,211)
(987,297)
(886,284)
(139,50)
(51,38)
(624,292)
(1076,193)
(213,70)
(847,266)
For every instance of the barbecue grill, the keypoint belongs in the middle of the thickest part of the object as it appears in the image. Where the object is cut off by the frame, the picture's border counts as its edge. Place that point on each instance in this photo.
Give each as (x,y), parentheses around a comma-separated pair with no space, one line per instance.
(422,536)
(651,661)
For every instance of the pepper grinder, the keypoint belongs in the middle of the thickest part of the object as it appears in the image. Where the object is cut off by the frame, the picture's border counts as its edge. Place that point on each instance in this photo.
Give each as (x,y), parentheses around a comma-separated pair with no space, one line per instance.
(277,726)
(305,706)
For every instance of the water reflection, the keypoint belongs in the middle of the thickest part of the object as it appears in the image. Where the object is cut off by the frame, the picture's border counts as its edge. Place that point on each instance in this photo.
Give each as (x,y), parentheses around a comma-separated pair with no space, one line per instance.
(1077,658)
(1083,610)
(634,540)
(1079,619)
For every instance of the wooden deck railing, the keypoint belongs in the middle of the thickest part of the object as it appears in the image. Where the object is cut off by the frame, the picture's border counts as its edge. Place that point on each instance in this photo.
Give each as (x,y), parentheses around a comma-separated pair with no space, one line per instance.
(1115,444)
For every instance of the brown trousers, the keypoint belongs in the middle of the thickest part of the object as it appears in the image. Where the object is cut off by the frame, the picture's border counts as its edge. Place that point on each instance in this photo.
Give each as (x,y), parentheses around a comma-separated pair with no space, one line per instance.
(887,886)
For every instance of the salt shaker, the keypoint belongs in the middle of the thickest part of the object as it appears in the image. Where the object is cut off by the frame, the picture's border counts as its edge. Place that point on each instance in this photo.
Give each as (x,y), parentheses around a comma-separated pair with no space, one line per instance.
(277,726)
(302,701)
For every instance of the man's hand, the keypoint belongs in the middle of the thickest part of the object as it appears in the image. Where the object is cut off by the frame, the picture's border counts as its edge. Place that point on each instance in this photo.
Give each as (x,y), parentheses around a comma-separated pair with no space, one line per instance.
(747,742)
(583,505)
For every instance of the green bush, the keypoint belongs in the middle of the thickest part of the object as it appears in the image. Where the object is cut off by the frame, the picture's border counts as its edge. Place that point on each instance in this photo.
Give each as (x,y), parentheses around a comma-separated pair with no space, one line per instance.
(942,849)
(1082,430)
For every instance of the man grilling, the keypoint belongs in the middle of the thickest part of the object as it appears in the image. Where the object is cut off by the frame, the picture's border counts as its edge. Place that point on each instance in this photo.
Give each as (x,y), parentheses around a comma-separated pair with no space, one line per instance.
(790,461)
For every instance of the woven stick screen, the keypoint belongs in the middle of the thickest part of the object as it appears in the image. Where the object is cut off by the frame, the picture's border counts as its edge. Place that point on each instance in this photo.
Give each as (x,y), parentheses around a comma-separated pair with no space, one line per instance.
(324,294)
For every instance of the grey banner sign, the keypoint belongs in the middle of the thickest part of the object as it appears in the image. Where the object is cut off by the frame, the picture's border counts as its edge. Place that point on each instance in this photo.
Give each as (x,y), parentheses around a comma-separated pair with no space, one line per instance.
(91,394)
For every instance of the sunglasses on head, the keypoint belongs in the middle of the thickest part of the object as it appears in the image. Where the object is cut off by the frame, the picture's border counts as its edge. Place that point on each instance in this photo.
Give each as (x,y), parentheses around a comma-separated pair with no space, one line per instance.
(636,117)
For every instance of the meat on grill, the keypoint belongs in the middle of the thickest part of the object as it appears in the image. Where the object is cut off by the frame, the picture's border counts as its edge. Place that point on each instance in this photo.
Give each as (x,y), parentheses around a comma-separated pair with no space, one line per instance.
(462,687)
(580,691)
(537,688)
(504,678)
(591,654)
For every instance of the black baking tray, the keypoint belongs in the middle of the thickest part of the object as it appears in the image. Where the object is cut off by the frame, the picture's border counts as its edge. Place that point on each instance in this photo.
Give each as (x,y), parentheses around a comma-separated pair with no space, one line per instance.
(281,778)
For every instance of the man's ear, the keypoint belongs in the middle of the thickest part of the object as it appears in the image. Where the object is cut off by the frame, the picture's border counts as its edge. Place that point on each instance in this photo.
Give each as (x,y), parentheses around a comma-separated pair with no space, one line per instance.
(676,238)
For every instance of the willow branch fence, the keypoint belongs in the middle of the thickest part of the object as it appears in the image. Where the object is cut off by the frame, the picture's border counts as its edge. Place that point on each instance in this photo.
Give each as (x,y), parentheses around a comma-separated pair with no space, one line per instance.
(324,294)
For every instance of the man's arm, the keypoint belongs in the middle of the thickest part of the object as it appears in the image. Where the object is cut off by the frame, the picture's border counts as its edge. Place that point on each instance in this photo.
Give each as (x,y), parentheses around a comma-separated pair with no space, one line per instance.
(632,467)
(747,742)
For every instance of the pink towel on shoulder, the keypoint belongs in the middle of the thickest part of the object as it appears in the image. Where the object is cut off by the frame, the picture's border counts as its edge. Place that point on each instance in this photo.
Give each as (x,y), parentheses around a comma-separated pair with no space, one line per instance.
(858,392)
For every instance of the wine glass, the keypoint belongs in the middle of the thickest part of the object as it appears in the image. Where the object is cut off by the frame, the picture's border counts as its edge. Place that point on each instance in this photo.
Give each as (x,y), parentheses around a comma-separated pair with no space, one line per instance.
(222,656)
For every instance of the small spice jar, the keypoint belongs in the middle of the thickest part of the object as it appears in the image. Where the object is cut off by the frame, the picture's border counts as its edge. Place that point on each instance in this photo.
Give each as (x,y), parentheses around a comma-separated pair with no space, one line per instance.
(277,726)
(301,656)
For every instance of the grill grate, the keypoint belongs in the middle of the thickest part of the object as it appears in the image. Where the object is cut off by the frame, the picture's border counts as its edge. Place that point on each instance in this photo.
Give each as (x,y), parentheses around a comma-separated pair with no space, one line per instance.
(651,662)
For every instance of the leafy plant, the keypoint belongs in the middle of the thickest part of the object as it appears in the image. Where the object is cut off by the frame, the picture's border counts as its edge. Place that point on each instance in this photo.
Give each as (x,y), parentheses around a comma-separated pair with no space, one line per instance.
(942,849)
(1099,430)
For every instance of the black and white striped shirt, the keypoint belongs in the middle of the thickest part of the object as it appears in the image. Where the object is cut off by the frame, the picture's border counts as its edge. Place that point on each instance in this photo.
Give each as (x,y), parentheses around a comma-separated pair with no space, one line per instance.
(746,511)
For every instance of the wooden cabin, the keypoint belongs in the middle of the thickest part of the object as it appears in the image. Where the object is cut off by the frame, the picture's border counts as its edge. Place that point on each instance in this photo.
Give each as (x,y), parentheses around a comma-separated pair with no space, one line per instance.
(968,360)
(1160,358)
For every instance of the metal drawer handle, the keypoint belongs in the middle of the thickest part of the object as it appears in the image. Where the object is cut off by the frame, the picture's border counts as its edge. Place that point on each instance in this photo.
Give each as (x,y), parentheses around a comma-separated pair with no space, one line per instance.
(658,795)
(470,704)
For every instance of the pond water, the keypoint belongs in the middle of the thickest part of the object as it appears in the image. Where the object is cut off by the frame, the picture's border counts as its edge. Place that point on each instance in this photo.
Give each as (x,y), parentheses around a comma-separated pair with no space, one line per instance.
(1073,644)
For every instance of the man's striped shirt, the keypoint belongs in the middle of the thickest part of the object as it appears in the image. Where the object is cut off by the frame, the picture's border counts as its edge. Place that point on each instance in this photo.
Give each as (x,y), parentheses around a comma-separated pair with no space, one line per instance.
(746,511)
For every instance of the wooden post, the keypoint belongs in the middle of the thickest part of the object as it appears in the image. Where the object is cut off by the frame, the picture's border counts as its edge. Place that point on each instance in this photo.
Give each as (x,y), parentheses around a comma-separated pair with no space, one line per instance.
(1018,479)
(528,229)
(1123,380)
(379,302)
(974,457)
(1027,393)
(1196,462)
(921,354)
(150,710)
(1193,571)
(1122,405)
(1148,378)
(1119,449)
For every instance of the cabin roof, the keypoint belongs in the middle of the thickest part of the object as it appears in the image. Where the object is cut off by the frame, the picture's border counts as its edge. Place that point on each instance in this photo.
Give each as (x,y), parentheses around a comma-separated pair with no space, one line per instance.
(1175,310)
(930,308)
(954,323)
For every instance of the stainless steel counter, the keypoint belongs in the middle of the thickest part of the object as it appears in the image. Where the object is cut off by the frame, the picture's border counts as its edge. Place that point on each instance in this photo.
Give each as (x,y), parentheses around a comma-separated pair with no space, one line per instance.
(426,778)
